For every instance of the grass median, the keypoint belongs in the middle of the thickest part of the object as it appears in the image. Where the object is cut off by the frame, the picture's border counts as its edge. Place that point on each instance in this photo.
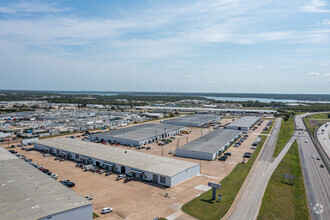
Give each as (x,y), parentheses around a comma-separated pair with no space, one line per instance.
(283,200)
(203,207)
(284,135)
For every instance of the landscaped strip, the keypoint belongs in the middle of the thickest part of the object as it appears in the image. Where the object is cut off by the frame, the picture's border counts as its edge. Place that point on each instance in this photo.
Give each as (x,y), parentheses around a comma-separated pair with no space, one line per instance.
(282,200)
(203,207)
(284,135)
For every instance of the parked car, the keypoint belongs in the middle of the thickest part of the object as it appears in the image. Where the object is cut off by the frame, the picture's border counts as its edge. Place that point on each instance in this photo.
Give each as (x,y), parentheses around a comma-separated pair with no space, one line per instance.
(172,137)
(49,173)
(170,152)
(161,144)
(28,160)
(67,183)
(312,156)
(102,171)
(62,159)
(106,210)
(247,155)
(46,155)
(54,176)
(108,173)
(223,158)
(318,158)
(252,148)
(148,148)
(121,176)
(227,154)
(322,166)
(128,179)
(89,197)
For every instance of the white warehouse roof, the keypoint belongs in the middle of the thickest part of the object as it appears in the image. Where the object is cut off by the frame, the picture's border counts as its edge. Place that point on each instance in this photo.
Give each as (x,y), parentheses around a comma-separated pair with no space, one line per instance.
(27,193)
(213,141)
(142,161)
(246,121)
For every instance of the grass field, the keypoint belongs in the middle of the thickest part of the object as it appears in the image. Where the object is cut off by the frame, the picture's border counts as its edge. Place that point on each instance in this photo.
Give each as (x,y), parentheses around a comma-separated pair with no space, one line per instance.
(282,200)
(95,215)
(203,207)
(320,116)
(285,133)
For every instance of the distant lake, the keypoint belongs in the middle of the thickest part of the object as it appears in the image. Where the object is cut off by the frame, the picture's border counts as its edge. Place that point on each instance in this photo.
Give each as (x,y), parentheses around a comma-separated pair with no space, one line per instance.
(237,99)
(231,99)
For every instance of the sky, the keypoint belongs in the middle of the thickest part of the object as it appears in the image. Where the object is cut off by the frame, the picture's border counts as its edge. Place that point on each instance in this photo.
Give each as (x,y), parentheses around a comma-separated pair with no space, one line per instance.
(234,46)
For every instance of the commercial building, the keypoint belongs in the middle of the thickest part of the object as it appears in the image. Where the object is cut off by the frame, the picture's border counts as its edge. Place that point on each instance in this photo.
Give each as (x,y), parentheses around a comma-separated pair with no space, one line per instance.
(210,146)
(138,135)
(210,110)
(196,120)
(161,170)
(244,123)
(28,193)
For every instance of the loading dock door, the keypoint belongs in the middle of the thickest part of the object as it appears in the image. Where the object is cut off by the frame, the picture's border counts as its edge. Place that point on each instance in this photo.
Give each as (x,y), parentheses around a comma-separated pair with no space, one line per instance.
(123,169)
(155,178)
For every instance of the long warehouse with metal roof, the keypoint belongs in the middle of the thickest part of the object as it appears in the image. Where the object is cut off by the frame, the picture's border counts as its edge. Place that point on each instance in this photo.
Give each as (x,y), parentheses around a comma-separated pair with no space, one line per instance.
(196,120)
(138,135)
(210,146)
(27,193)
(161,170)
(244,123)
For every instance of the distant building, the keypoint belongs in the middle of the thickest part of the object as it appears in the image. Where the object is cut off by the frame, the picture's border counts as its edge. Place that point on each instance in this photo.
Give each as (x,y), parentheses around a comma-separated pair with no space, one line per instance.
(244,123)
(210,146)
(196,120)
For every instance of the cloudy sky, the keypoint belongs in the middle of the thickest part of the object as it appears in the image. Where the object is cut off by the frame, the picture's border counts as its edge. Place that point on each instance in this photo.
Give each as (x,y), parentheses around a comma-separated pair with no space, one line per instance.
(267,46)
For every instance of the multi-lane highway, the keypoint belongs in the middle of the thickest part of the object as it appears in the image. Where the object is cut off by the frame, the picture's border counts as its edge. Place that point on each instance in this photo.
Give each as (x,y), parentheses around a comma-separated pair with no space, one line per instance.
(323,136)
(248,203)
(316,178)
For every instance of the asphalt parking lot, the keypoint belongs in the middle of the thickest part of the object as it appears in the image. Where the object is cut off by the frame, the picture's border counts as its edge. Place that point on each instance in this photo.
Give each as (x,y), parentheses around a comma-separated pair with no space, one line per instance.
(141,200)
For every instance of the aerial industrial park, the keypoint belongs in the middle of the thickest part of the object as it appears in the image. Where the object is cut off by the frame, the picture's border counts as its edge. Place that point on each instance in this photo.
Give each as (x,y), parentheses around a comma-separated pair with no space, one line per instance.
(127,163)
(164,110)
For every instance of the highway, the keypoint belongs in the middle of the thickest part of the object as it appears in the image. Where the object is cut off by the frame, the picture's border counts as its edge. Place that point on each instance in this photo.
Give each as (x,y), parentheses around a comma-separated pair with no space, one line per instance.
(248,203)
(317,179)
(323,136)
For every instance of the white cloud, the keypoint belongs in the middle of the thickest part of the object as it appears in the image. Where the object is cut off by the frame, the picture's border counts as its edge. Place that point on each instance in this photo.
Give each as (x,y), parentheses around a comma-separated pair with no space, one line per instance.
(316,6)
(326,21)
(313,74)
(259,67)
(189,76)
(327,74)
(31,7)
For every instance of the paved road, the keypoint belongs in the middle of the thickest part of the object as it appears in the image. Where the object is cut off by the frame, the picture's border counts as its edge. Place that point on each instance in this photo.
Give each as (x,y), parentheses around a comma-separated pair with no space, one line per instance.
(317,179)
(249,202)
(323,136)
(267,153)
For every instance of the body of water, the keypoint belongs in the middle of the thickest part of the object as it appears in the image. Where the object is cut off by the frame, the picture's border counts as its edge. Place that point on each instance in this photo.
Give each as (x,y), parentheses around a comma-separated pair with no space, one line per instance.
(237,99)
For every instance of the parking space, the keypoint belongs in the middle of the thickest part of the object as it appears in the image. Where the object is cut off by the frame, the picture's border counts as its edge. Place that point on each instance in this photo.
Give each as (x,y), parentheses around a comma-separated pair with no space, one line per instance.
(141,200)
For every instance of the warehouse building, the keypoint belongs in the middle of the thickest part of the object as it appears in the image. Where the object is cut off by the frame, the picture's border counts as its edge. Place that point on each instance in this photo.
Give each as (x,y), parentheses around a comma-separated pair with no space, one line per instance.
(210,146)
(161,170)
(196,120)
(244,123)
(138,135)
(28,193)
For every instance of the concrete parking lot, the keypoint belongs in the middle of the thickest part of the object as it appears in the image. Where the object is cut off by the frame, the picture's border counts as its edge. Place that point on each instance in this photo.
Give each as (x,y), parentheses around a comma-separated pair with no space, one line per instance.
(141,200)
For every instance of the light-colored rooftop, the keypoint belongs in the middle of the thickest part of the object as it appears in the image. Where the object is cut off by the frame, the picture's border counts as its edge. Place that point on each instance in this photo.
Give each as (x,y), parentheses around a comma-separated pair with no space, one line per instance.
(27,193)
(246,121)
(213,141)
(145,162)
(239,110)
(139,132)
(196,119)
